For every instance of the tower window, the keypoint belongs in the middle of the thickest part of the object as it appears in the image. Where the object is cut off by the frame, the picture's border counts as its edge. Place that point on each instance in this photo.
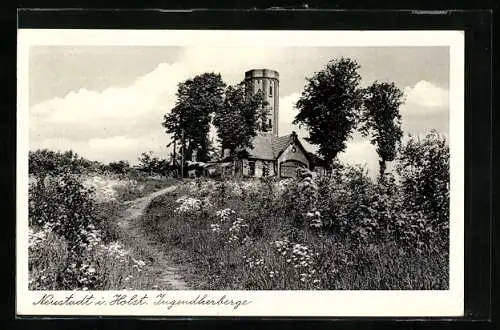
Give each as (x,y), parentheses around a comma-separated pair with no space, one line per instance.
(270,90)
(270,124)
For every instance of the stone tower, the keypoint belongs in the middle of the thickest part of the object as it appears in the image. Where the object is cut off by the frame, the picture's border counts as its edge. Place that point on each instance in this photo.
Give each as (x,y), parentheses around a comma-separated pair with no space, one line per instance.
(268,82)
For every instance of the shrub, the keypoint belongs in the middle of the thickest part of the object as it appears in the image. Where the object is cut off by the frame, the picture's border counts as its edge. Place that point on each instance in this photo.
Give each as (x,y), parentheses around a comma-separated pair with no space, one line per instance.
(65,206)
(44,162)
(423,168)
(299,198)
(120,167)
(346,202)
(154,165)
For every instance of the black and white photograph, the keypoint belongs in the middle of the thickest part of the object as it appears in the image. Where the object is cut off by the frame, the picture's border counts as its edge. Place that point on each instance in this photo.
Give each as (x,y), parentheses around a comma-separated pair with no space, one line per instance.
(231,167)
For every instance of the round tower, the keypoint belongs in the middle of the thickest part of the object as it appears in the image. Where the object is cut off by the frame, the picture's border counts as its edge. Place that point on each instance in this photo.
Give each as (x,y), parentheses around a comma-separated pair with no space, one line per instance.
(266,81)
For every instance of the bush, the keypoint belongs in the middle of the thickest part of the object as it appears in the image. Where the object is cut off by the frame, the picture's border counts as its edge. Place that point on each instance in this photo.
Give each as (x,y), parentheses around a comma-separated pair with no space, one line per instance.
(346,201)
(154,165)
(44,162)
(423,168)
(120,167)
(65,206)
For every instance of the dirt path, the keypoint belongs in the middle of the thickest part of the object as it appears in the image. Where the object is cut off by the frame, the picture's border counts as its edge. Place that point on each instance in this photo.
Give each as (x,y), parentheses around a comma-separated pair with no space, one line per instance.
(160,266)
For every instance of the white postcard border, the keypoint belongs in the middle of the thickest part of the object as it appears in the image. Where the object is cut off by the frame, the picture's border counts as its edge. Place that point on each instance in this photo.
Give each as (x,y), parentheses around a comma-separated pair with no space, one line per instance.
(262,303)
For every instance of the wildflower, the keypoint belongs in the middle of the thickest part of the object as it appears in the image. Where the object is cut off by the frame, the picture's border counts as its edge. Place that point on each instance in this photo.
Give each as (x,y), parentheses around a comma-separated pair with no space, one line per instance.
(188,204)
(215,227)
(246,240)
(224,214)
(314,219)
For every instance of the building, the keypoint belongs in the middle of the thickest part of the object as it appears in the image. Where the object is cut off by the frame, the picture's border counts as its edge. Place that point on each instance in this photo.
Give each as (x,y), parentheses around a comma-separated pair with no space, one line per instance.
(273,155)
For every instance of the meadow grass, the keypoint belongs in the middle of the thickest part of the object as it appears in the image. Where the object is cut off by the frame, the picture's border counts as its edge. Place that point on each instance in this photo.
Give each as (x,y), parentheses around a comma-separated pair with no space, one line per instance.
(241,235)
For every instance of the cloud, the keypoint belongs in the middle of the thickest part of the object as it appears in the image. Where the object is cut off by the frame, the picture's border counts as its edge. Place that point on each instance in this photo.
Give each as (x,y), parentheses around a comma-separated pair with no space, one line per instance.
(141,98)
(232,62)
(121,123)
(287,113)
(427,95)
(117,121)
(361,152)
(115,142)
(426,108)
(109,149)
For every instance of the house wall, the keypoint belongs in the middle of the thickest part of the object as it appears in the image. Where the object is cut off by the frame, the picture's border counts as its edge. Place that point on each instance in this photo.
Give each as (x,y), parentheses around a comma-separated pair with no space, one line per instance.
(259,165)
(258,168)
(298,155)
(245,166)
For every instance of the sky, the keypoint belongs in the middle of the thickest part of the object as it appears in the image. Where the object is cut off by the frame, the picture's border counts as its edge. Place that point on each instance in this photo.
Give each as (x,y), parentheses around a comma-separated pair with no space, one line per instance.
(107,102)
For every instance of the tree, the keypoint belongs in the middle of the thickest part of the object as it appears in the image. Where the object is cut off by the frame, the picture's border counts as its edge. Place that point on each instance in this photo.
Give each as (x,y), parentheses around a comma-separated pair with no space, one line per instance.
(382,120)
(189,120)
(239,119)
(152,164)
(329,107)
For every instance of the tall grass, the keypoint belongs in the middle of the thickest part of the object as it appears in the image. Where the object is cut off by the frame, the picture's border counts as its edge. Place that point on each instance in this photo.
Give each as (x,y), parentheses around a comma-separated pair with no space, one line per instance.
(267,234)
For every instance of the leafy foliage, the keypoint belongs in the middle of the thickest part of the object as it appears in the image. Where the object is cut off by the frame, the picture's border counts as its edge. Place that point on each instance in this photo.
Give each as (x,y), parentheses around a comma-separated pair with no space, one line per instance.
(423,167)
(119,167)
(240,117)
(43,162)
(329,106)
(382,120)
(189,120)
(153,165)
(64,205)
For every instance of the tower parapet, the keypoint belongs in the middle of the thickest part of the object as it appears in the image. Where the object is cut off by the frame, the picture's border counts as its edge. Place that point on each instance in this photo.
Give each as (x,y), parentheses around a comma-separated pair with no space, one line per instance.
(267,81)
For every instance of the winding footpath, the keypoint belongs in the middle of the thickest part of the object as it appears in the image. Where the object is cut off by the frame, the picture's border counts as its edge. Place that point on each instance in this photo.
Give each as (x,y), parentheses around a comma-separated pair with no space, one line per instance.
(164,269)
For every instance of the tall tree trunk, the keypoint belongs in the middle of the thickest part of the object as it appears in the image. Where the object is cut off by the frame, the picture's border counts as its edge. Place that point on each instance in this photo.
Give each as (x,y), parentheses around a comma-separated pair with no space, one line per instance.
(381,168)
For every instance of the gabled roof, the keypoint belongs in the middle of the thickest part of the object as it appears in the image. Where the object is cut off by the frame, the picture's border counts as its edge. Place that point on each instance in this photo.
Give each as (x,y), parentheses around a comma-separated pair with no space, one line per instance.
(262,147)
(269,147)
(280,144)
